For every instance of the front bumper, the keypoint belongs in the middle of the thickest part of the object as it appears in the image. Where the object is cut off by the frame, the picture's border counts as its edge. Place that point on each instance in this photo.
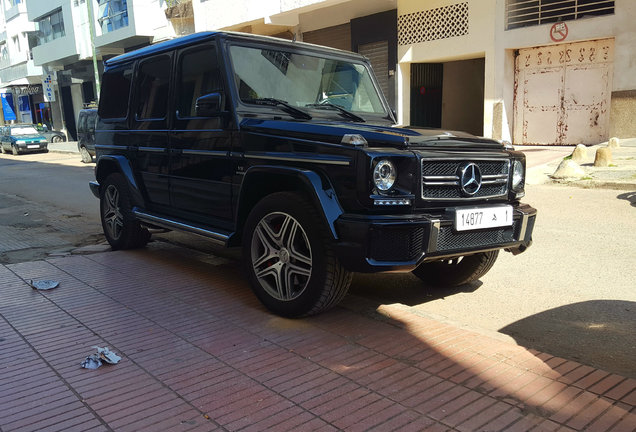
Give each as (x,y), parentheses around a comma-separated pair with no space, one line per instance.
(31,147)
(400,243)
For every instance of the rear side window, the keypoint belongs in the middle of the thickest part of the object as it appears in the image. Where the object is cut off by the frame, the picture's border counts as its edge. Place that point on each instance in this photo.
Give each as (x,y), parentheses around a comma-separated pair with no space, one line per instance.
(199,75)
(91,119)
(152,90)
(81,127)
(115,92)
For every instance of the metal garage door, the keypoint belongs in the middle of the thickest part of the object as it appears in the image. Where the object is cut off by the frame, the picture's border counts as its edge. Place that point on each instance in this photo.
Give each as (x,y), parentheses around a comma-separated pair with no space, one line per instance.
(378,55)
(562,93)
(336,37)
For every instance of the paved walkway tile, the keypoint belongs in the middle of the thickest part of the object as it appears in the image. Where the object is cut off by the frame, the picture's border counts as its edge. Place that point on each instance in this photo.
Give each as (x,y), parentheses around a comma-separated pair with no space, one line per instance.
(199,353)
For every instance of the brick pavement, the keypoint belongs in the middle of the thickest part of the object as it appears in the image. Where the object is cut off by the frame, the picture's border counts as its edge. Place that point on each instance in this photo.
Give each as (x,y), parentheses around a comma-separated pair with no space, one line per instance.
(199,353)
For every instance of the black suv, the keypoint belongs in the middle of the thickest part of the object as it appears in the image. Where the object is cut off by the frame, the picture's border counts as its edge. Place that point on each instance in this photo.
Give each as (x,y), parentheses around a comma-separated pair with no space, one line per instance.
(291,151)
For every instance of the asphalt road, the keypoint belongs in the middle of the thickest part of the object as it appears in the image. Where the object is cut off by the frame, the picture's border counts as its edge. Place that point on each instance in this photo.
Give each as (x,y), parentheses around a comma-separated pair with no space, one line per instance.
(572,294)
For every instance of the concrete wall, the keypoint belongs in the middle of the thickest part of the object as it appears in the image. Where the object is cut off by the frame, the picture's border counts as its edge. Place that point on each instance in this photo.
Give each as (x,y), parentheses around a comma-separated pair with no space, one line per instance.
(463,86)
(478,43)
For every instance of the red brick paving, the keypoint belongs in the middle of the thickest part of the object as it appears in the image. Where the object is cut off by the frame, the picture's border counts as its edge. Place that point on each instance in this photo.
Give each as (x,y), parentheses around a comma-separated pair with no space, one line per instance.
(199,353)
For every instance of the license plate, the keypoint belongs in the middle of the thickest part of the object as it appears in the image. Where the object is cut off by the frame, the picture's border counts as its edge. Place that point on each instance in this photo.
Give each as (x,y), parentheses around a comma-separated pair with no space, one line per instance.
(33,146)
(483,217)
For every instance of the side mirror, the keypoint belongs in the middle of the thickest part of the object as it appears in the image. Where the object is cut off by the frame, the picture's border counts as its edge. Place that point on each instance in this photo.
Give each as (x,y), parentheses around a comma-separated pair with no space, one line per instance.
(209,105)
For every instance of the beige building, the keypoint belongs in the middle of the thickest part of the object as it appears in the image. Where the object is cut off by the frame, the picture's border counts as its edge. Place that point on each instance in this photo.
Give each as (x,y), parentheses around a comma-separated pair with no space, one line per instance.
(531,72)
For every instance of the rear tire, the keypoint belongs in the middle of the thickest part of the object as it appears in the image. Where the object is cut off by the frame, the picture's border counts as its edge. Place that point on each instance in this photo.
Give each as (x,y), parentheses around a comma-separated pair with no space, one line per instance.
(289,259)
(85,155)
(121,228)
(456,271)
(56,139)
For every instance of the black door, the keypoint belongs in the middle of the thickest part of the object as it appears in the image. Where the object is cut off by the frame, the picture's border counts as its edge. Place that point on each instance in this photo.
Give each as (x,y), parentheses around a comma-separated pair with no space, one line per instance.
(149,134)
(69,113)
(426,94)
(200,172)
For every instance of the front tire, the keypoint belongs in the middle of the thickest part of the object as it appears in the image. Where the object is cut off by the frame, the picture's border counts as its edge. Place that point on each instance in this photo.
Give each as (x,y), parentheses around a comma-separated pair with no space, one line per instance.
(290,262)
(121,228)
(14,150)
(456,271)
(56,139)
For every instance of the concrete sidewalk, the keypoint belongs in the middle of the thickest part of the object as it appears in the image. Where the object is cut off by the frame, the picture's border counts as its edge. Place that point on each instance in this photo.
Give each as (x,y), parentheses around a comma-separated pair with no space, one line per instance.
(542,162)
(200,353)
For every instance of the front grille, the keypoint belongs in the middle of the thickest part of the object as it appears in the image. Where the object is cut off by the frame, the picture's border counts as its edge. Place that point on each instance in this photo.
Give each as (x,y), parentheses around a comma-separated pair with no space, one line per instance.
(449,239)
(441,178)
(396,244)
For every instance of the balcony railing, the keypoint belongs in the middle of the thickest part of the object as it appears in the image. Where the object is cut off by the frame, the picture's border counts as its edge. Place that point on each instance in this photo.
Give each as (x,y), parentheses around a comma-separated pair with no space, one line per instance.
(523,13)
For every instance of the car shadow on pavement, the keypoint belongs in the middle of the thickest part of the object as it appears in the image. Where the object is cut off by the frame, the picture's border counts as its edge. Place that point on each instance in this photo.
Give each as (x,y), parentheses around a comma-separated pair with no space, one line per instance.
(584,331)
(404,288)
(628,196)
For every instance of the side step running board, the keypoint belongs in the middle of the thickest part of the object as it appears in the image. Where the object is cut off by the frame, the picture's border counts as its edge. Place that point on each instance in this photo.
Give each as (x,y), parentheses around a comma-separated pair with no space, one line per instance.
(218,236)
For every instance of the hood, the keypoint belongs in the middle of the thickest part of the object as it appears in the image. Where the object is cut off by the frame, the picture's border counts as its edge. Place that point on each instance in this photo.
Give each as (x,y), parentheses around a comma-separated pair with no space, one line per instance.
(30,137)
(376,135)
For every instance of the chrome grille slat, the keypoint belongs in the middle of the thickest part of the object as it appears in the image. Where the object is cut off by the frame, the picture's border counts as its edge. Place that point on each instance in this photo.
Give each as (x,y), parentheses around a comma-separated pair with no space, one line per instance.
(440,178)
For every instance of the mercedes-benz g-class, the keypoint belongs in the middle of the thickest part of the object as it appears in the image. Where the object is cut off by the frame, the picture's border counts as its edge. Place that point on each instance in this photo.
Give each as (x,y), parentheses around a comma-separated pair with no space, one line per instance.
(290,151)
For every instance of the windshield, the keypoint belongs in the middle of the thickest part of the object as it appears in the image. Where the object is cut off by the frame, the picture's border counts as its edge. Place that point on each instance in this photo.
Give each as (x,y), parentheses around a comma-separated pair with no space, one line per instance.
(302,80)
(23,130)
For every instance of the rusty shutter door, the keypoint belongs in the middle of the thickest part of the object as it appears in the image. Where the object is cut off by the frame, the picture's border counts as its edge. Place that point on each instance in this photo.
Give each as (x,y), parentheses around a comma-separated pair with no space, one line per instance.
(335,37)
(563,93)
(378,55)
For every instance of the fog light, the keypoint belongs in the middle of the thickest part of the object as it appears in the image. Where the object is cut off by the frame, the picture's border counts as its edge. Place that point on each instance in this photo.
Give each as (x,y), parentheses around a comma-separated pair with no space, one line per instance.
(392,202)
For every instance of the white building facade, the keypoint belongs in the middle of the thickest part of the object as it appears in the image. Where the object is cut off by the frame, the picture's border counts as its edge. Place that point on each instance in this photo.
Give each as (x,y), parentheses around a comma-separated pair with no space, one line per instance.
(64,47)
(530,72)
(20,78)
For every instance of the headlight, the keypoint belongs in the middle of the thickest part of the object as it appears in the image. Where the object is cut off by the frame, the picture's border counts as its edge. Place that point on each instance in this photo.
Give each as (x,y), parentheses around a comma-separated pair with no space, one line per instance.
(43,141)
(518,175)
(384,175)
(20,142)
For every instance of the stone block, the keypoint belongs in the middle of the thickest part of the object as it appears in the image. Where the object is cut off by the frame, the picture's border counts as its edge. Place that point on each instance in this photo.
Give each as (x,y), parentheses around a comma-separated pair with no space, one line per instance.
(603,157)
(568,169)
(579,154)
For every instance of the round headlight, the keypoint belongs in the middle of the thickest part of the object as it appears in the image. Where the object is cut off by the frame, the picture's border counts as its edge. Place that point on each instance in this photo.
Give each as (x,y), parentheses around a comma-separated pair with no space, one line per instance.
(517,175)
(384,175)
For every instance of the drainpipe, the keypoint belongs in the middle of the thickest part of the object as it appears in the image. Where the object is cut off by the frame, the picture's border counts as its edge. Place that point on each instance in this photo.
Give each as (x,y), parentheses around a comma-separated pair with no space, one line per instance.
(91,26)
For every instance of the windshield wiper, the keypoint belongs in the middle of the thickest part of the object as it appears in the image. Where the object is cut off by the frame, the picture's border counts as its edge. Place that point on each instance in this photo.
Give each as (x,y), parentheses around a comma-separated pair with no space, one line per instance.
(343,111)
(295,112)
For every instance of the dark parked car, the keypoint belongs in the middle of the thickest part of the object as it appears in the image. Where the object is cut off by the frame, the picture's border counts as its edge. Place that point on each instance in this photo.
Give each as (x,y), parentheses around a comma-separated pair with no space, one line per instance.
(22,138)
(290,151)
(86,133)
(52,136)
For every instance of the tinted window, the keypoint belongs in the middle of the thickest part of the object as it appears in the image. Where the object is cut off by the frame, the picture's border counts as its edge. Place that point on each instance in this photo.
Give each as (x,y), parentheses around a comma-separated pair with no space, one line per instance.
(91,119)
(199,72)
(152,90)
(115,92)
(81,127)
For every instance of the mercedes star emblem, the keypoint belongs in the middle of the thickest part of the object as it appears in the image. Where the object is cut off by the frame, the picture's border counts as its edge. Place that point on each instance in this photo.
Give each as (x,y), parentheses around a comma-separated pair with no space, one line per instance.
(470,179)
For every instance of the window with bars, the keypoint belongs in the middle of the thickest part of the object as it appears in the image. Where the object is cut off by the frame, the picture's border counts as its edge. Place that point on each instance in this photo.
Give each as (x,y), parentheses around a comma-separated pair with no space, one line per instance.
(523,13)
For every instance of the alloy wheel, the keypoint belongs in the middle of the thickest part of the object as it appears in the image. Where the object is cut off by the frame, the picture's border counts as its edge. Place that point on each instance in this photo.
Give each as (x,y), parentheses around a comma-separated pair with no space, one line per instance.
(281,256)
(113,218)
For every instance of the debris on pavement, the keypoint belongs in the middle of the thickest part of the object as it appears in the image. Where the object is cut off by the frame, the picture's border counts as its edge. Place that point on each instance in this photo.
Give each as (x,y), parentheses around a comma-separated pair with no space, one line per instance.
(95,360)
(44,285)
